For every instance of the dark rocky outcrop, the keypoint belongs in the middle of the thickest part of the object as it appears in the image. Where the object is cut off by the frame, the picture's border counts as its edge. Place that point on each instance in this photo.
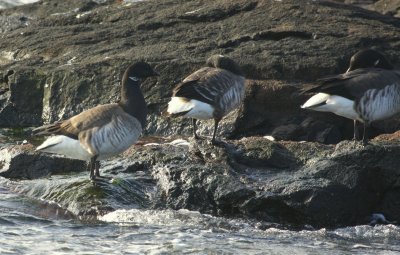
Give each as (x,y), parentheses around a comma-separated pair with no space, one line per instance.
(21,162)
(66,57)
(387,7)
(288,183)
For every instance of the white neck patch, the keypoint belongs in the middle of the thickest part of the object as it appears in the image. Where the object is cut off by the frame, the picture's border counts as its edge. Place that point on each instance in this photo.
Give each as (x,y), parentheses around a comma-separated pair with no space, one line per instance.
(133,78)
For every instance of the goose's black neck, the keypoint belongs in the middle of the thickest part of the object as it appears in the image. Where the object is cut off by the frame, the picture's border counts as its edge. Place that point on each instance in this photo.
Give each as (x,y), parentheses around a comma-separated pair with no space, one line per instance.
(132,100)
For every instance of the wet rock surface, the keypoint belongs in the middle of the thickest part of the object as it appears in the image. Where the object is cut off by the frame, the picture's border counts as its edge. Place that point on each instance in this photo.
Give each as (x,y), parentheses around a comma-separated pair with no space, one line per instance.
(57,59)
(21,162)
(289,183)
(388,7)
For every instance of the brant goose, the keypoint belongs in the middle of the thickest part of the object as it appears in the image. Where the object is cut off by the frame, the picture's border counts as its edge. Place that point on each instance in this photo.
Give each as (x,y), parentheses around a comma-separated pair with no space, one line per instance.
(209,93)
(369,58)
(367,92)
(105,130)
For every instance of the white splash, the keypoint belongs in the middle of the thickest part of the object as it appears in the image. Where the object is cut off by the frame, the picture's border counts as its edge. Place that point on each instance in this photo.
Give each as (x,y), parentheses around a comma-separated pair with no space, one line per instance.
(163,217)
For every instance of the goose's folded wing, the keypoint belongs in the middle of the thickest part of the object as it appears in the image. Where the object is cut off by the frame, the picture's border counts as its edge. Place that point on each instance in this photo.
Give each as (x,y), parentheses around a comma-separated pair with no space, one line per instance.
(97,116)
(205,85)
(354,84)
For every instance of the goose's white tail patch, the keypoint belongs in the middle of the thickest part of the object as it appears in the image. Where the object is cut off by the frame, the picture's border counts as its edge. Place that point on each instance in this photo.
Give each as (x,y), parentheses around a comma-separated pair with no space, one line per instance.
(315,100)
(338,105)
(196,109)
(64,145)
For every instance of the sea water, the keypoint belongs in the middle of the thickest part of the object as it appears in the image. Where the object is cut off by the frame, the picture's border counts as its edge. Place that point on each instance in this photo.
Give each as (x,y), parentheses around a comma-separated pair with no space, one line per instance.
(29,226)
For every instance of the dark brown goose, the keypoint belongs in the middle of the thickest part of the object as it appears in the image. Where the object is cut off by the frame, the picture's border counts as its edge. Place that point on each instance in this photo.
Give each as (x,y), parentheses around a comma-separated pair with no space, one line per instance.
(209,93)
(369,58)
(105,130)
(368,92)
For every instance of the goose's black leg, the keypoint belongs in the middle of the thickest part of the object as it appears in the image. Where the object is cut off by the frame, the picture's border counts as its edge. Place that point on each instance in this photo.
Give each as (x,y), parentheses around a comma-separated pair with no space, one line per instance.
(355,130)
(95,173)
(92,166)
(216,122)
(88,167)
(194,122)
(97,167)
(365,136)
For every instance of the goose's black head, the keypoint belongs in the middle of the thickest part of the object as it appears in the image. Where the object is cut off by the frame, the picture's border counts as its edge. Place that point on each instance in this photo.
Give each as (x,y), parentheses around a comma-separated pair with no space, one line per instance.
(140,70)
(220,61)
(369,58)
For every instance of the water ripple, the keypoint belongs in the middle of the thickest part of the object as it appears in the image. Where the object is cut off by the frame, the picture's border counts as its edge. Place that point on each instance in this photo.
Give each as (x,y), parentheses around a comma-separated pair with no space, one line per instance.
(27,230)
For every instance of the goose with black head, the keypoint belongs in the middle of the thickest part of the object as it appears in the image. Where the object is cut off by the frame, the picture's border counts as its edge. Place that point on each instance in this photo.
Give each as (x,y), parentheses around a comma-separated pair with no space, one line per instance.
(209,93)
(369,90)
(105,130)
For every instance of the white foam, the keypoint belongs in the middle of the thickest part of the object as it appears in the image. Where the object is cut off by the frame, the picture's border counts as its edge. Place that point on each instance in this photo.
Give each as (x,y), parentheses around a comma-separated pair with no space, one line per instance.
(153,217)
(172,218)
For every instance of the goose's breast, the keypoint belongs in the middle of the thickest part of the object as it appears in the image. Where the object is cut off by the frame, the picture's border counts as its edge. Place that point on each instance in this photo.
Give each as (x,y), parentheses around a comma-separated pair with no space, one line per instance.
(379,104)
(117,136)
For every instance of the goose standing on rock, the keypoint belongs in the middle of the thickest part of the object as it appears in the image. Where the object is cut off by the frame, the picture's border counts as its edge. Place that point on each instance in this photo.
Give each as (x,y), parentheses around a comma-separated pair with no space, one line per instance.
(105,130)
(367,92)
(209,93)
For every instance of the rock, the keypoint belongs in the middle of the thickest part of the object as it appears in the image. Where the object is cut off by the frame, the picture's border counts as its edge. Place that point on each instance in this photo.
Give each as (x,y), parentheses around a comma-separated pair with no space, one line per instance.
(359,2)
(288,183)
(64,181)
(74,53)
(387,7)
(324,132)
(19,161)
(24,103)
(287,132)
(256,152)
(79,196)
(390,138)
